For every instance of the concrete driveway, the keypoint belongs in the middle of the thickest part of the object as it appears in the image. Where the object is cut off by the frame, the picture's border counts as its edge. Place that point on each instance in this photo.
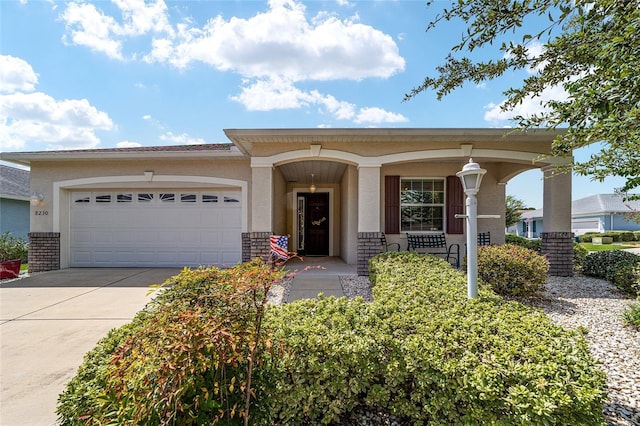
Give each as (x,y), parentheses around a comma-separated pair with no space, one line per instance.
(49,321)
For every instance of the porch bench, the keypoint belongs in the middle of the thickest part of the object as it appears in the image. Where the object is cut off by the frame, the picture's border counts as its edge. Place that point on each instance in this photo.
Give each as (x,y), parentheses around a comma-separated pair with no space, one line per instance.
(435,244)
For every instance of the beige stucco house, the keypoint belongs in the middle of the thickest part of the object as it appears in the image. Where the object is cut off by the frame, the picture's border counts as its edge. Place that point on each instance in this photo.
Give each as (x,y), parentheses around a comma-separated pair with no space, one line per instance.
(218,203)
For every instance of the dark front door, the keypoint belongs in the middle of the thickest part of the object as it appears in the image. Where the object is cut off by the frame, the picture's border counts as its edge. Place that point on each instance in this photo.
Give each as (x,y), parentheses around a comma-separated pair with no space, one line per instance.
(317,224)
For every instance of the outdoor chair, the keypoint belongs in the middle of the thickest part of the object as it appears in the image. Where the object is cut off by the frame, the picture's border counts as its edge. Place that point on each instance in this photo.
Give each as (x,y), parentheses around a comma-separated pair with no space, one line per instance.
(484,238)
(388,246)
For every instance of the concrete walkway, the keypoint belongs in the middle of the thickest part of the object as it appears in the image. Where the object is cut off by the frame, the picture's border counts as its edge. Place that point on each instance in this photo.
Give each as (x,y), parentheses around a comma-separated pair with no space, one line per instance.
(49,321)
(317,275)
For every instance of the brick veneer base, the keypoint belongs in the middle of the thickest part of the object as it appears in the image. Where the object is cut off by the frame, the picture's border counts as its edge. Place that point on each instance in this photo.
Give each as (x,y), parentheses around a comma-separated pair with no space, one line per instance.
(368,247)
(44,251)
(255,244)
(558,247)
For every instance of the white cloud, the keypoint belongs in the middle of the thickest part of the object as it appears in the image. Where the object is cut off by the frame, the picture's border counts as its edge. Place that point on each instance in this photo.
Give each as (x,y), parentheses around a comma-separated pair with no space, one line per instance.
(266,95)
(378,115)
(37,118)
(16,75)
(146,117)
(283,43)
(272,50)
(183,139)
(128,144)
(529,107)
(280,42)
(90,27)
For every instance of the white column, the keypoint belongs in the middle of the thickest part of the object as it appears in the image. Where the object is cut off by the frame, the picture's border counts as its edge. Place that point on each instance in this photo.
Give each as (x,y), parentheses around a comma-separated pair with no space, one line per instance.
(557,200)
(261,198)
(369,198)
(472,246)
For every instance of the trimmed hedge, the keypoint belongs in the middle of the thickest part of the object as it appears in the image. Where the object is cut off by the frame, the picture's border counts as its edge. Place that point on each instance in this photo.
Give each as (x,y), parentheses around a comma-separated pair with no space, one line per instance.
(616,266)
(427,355)
(421,352)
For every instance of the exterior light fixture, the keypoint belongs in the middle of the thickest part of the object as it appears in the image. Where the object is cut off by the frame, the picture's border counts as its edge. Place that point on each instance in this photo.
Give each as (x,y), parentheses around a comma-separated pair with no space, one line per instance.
(471,177)
(36,198)
(312,188)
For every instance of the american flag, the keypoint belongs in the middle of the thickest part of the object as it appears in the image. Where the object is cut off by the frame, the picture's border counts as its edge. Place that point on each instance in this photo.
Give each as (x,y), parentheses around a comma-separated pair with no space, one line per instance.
(279,246)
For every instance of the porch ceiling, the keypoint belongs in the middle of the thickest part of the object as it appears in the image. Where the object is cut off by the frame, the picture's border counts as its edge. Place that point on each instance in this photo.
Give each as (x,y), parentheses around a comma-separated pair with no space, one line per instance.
(325,172)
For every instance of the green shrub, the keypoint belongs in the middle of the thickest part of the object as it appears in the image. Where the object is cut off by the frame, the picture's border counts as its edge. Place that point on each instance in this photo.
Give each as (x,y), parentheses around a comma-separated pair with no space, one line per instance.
(12,248)
(616,266)
(631,315)
(579,254)
(424,353)
(636,235)
(535,245)
(421,352)
(512,270)
(626,236)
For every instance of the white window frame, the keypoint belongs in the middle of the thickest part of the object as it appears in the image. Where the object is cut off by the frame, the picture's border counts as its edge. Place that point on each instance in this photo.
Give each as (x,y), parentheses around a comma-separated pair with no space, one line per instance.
(442,205)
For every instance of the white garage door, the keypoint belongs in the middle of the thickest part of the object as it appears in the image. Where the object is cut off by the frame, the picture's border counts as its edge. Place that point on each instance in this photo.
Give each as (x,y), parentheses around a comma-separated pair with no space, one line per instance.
(159,228)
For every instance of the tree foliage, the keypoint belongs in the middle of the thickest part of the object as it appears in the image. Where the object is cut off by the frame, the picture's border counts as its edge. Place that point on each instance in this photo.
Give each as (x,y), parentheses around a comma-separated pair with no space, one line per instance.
(591,49)
(512,209)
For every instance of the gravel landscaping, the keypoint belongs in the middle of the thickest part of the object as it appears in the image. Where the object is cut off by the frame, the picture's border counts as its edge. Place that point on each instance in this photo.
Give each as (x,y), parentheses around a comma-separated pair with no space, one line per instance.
(597,306)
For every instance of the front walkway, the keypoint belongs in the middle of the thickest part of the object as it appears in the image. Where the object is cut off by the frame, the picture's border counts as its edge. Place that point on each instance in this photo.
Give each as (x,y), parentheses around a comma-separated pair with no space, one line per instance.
(314,275)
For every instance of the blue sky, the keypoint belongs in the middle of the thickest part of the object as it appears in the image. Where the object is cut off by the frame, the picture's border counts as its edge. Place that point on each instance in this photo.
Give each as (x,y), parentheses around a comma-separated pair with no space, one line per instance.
(124,73)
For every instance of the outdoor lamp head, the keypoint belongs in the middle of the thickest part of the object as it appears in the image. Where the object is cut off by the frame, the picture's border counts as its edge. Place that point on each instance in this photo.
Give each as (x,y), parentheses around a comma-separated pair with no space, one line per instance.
(471,177)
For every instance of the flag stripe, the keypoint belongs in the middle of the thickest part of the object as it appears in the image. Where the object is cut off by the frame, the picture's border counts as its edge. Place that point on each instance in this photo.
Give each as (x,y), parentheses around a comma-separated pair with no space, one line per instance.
(279,246)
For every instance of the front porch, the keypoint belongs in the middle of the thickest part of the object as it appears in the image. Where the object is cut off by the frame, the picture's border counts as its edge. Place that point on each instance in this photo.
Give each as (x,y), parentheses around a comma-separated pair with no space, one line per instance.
(394,181)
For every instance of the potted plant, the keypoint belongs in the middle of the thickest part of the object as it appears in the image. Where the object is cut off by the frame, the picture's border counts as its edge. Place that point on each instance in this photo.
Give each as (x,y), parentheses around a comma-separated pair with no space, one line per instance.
(13,251)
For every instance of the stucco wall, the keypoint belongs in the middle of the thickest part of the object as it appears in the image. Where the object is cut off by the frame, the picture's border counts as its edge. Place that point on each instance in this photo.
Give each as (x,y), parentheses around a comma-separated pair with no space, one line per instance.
(44,174)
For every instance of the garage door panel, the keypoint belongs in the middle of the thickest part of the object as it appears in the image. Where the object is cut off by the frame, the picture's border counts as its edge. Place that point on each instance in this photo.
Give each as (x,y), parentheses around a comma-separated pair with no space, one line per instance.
(154,233)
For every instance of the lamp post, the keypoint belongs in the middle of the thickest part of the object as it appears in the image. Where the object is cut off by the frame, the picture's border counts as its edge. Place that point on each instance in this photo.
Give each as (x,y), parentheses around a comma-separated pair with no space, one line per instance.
(471,177)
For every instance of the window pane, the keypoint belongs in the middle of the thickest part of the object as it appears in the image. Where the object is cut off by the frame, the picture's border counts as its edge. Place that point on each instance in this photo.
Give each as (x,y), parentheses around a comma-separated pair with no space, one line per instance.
(103,198)
(208,198)
(422,205)
(188,198)
(167,197)
(145,197)
(231,199)
(124,198)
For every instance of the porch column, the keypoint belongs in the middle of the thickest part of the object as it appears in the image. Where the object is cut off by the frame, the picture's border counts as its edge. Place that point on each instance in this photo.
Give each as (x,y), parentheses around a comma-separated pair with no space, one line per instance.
(557,238)
(368,216)
(255,243)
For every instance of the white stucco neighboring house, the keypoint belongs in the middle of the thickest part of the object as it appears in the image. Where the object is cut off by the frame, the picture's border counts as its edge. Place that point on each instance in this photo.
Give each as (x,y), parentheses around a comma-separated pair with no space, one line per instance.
(596,213)
(218,203)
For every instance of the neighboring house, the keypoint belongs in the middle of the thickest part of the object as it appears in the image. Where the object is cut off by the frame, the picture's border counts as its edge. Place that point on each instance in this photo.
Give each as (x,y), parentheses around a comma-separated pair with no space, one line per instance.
(333,191)
(14,201)
(597,213)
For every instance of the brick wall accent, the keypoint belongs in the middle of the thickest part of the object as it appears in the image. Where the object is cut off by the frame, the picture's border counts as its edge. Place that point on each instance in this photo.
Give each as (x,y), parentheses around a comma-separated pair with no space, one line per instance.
(368,247)
(246,246)
(255,244)
(44,251)
(558,247)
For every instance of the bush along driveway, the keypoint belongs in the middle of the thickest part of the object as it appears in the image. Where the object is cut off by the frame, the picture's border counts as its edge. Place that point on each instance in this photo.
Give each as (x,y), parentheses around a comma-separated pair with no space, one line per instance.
(420,353)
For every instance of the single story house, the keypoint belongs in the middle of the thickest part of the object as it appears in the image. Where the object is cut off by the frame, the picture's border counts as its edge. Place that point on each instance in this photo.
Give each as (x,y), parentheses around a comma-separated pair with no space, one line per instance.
(333,191)
(596,213)
(14,201)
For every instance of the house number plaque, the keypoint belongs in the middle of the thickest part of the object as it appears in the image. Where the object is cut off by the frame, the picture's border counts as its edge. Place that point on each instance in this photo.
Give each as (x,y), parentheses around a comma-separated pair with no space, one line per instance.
(42,212)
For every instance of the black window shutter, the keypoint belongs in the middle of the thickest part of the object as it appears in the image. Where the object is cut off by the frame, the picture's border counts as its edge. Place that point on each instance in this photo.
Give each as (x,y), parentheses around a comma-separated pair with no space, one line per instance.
(392,204)
(455,205)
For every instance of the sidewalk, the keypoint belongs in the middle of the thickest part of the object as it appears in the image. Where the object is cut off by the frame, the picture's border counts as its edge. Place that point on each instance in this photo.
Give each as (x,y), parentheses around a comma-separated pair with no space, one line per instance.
(317,275)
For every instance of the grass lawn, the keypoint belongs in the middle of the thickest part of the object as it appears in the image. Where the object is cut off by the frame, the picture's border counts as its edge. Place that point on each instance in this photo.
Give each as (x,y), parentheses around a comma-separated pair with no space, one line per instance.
(602,247)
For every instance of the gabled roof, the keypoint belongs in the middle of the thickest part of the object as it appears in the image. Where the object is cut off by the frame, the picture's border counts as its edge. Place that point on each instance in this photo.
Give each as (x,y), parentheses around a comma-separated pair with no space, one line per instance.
(595,205)
(604,203)
(14,183)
